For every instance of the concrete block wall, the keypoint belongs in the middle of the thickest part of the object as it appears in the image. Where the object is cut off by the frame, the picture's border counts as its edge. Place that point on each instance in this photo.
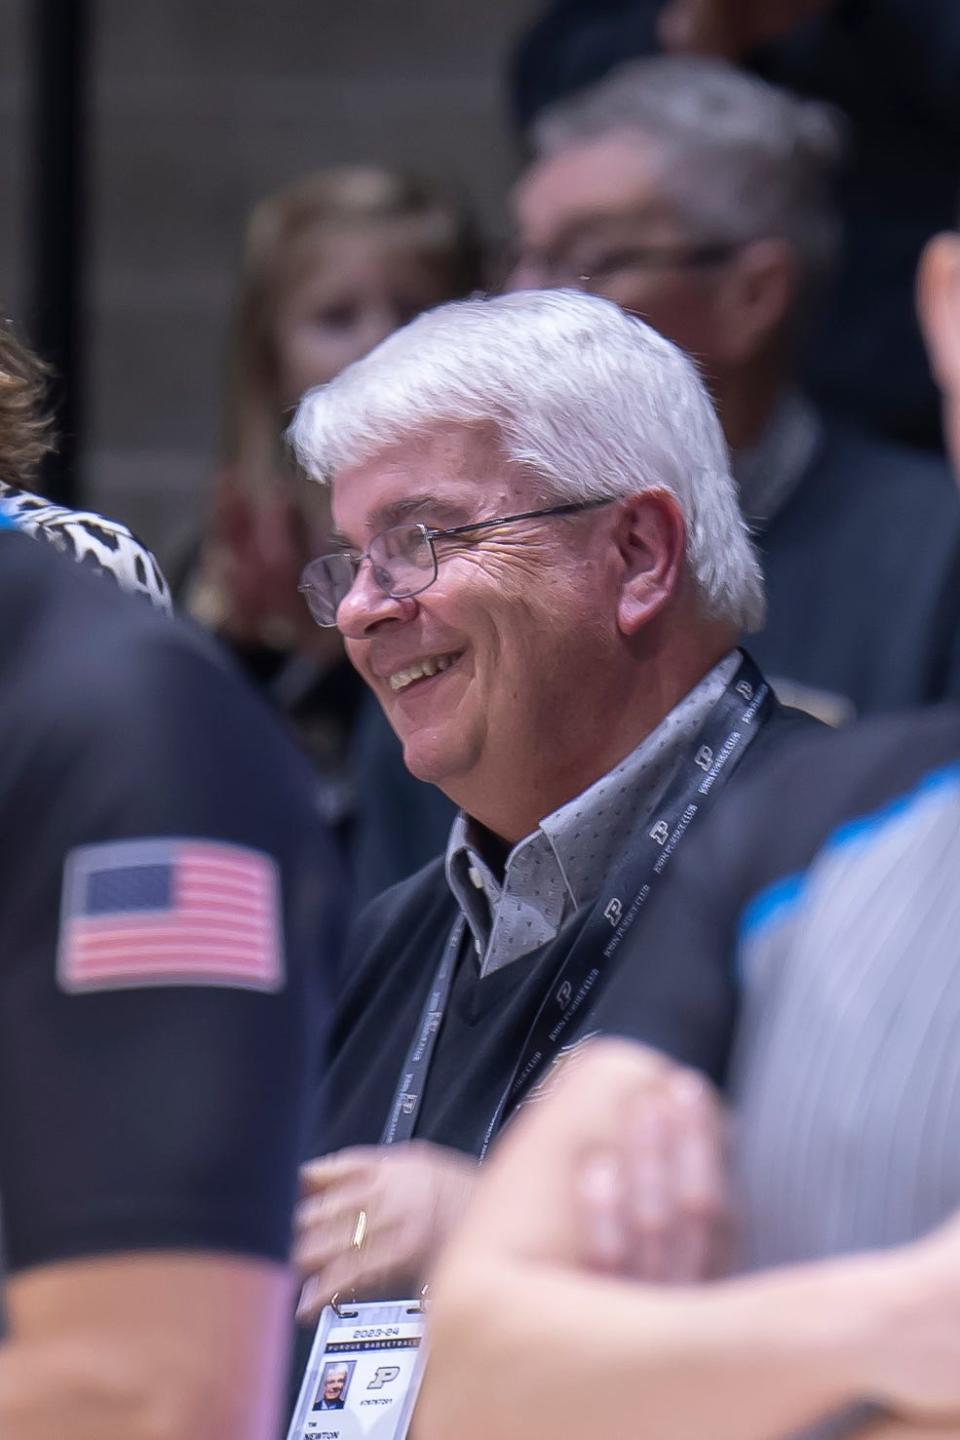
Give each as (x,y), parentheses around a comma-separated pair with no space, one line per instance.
(198,109)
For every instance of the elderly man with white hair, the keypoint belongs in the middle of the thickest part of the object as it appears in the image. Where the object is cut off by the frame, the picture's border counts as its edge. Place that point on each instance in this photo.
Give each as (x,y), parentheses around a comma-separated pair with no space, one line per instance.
(543,577)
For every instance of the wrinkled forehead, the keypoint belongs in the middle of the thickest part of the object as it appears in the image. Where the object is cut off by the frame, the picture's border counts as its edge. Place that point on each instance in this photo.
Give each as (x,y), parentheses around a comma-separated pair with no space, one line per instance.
(445,475)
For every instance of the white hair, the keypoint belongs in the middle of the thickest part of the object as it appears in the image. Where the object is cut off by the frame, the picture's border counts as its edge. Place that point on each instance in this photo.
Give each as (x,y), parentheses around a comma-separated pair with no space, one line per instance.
(740,159)
(591,399)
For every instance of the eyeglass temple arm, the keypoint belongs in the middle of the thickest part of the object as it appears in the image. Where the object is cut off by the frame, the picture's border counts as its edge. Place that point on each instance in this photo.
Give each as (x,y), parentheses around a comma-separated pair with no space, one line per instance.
(568,509)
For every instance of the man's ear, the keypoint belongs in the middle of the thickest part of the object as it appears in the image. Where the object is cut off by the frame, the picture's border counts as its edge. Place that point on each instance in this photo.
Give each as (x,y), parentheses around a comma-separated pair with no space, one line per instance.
(938,304)
(756,298)
(652,537)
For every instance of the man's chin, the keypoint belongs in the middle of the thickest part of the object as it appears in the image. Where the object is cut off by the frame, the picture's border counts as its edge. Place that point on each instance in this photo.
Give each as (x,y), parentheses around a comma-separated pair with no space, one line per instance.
(430,760)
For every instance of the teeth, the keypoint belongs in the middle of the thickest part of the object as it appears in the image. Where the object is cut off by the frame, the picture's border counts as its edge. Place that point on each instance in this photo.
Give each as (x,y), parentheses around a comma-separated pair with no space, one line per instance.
(419,670)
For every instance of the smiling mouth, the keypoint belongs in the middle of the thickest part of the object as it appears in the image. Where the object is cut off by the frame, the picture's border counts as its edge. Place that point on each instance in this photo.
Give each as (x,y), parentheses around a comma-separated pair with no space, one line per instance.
(421,670)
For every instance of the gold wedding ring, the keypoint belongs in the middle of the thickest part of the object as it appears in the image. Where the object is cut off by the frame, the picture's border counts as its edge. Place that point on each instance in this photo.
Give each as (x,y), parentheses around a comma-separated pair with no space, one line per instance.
(359,1231)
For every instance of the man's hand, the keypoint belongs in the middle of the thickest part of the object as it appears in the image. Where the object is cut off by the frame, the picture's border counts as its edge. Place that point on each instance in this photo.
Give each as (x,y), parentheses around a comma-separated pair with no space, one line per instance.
(411,1197)
(731,28)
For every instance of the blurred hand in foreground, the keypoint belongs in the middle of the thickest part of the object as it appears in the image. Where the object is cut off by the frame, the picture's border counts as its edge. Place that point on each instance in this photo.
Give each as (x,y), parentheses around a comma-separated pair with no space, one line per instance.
(411,1197)
(750,1358)
(653,1201)
(618,1165)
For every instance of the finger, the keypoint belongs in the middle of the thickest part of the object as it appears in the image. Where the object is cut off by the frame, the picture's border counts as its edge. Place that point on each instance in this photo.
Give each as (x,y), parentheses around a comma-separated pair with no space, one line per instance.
(311,1302)
(650,1206)
(352,1272)
(340,1277)
(327,1170)
(333,1224)
(601,1189)
(700,1180)
(338,1267)
(319,1246)
(541,1151)
(319,1209)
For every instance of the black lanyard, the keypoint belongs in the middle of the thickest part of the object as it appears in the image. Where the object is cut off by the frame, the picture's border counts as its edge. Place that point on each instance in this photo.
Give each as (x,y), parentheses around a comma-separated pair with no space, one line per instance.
(728,731)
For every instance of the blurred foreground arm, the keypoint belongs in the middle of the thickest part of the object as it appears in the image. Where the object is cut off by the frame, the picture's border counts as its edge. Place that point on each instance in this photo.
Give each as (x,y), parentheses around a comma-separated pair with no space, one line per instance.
(164,1347)
(749,1359)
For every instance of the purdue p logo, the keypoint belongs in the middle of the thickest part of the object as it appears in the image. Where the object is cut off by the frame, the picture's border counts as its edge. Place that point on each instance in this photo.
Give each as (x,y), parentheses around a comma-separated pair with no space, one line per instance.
(564,994)
(704,757)
(383,1375)
(660,832)
(613,912)
(745,690)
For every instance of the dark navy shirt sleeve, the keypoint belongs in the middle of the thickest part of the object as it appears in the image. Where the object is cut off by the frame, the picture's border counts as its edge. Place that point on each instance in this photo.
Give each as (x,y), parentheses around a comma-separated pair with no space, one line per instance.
(148,1110)
(753,847)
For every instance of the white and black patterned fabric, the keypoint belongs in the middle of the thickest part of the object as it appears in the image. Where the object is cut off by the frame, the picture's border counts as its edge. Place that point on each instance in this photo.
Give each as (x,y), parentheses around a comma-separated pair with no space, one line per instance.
(103,545)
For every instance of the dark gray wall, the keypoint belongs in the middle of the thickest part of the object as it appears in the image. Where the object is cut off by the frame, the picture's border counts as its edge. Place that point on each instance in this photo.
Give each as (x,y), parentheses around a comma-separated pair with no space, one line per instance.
(13,100)
(200,108)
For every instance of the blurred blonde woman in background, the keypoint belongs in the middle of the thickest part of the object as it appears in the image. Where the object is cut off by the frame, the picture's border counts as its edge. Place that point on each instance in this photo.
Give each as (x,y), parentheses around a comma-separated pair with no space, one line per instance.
(331,265)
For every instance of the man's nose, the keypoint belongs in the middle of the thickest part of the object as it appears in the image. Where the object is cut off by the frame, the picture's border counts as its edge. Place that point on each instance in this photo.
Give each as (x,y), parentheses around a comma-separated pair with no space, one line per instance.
(365,606)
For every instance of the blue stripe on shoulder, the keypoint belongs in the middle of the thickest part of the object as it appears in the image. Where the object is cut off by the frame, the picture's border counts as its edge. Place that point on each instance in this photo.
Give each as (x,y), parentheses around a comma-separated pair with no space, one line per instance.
(7,522)
(772,905)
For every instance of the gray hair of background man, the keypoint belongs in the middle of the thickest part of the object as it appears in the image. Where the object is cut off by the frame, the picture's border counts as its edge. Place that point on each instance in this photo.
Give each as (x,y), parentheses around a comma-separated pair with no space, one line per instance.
(740,159)
(590,399)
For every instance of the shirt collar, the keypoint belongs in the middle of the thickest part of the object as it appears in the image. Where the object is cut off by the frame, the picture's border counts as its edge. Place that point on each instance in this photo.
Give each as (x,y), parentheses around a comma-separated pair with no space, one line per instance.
(769,472)
(562,864)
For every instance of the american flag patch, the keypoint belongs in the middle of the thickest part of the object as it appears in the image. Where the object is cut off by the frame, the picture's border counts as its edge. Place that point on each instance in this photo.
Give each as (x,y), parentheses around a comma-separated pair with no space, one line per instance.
(169,912)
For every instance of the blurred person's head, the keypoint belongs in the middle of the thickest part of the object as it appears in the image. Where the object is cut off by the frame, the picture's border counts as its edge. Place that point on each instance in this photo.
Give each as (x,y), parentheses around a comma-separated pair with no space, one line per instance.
(697,197)
(25,435)
(939,305)
(331,265)
(519,662)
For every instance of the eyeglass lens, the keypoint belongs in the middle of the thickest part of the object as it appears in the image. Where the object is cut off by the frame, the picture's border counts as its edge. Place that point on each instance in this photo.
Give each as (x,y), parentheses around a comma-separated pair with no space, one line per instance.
(402,562)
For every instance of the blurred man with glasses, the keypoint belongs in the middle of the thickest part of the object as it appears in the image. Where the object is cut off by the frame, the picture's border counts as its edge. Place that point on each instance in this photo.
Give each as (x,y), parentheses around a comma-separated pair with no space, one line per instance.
(543,574)
(700,198)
